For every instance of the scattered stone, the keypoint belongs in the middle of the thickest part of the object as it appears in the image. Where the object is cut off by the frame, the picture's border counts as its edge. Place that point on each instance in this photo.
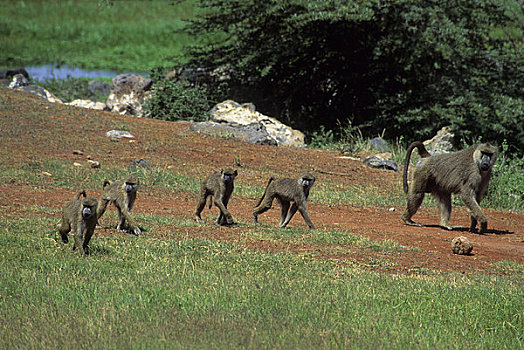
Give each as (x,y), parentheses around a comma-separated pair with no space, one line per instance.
(101,106)
(18,81)
(379,163)
(391,209)
(77,164)
(441,142)
(94,164)
(45,173)
(78,152)
(117,134)
(461,246)
(379,144)
(129,95)
(139,163)
(348,157)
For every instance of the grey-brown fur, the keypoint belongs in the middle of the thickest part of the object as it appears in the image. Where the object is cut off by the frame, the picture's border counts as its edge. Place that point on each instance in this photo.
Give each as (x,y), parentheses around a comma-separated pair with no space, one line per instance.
(218,186)
(466,173)
(286,190)
(123,195)
(79,216)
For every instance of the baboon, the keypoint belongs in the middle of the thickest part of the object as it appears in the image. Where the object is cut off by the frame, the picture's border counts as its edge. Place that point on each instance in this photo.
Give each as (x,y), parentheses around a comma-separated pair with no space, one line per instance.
(466,173)
(79,215)
(286,190)
(219,186)
(123,195)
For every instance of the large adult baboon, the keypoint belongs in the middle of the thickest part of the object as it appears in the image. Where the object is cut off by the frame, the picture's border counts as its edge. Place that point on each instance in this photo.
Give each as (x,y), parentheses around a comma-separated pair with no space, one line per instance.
(466,173)
(219,186)
(123,195)
(286,190)
(79,216)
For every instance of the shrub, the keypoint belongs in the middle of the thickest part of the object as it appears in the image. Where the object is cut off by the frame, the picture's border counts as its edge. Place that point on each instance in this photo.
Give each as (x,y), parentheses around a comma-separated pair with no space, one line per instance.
(177,100)
(405,66)
(506,189)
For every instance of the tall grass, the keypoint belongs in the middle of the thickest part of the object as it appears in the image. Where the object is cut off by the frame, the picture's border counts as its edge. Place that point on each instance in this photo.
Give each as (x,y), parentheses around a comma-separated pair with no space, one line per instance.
(119,35)
(178,293)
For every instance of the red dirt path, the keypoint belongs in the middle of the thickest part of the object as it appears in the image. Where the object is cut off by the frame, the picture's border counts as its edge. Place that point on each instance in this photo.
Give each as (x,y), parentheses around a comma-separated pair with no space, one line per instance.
(33,130)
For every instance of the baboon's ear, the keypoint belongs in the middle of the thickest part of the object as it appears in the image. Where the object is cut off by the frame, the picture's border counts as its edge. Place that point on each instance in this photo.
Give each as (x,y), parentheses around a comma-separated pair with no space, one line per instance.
(221,171)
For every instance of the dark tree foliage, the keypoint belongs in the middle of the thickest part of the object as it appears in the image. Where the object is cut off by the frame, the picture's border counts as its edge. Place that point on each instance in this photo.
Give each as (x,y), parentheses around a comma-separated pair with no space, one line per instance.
(409,67)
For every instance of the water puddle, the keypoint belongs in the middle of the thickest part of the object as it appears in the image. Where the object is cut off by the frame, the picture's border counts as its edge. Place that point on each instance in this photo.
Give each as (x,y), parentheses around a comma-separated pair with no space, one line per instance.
(50,71)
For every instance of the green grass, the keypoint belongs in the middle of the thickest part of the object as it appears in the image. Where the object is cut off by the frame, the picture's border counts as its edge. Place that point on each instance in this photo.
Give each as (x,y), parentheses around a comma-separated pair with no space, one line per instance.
(119,35)
(179,293)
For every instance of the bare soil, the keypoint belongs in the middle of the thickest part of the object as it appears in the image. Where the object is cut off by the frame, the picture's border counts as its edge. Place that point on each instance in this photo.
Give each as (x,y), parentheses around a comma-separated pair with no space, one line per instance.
(33,130)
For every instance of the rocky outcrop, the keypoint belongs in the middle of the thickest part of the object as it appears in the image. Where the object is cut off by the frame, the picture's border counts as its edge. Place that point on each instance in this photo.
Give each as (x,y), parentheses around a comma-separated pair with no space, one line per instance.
(20,83)
(89,104)
(129,94)
(441,142)
(245,117)
(251,133)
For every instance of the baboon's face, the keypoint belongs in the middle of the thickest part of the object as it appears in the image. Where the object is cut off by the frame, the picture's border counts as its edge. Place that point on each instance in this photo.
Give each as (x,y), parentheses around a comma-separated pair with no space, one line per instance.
(88,211)
(131,187)
(89,206)
(229,175)
(485,161)
(307,182)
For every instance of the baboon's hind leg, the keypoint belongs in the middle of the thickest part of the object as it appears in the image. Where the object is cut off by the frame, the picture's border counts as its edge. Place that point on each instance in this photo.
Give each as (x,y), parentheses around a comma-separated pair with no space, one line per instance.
(414,202)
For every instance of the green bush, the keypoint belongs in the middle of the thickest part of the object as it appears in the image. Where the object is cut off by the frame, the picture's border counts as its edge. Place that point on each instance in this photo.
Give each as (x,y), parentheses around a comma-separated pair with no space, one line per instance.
(322,138)
(506,189)
(408,67)
(178,100)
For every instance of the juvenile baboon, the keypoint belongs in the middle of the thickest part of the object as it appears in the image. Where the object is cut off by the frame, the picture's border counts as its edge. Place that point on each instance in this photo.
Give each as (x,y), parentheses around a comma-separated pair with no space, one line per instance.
(123,195)
(219,186)
(286,190)
(466,173)
(79,215)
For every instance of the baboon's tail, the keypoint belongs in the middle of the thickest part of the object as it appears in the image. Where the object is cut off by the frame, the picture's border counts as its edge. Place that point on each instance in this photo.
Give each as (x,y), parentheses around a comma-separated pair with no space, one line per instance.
(262,198)
(81,193)
(422,151)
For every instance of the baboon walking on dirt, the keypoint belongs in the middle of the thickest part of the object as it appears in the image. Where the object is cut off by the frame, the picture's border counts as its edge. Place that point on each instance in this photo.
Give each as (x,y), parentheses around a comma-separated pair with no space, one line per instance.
(123,195)
(220,186)
(286,190)
(466,173)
